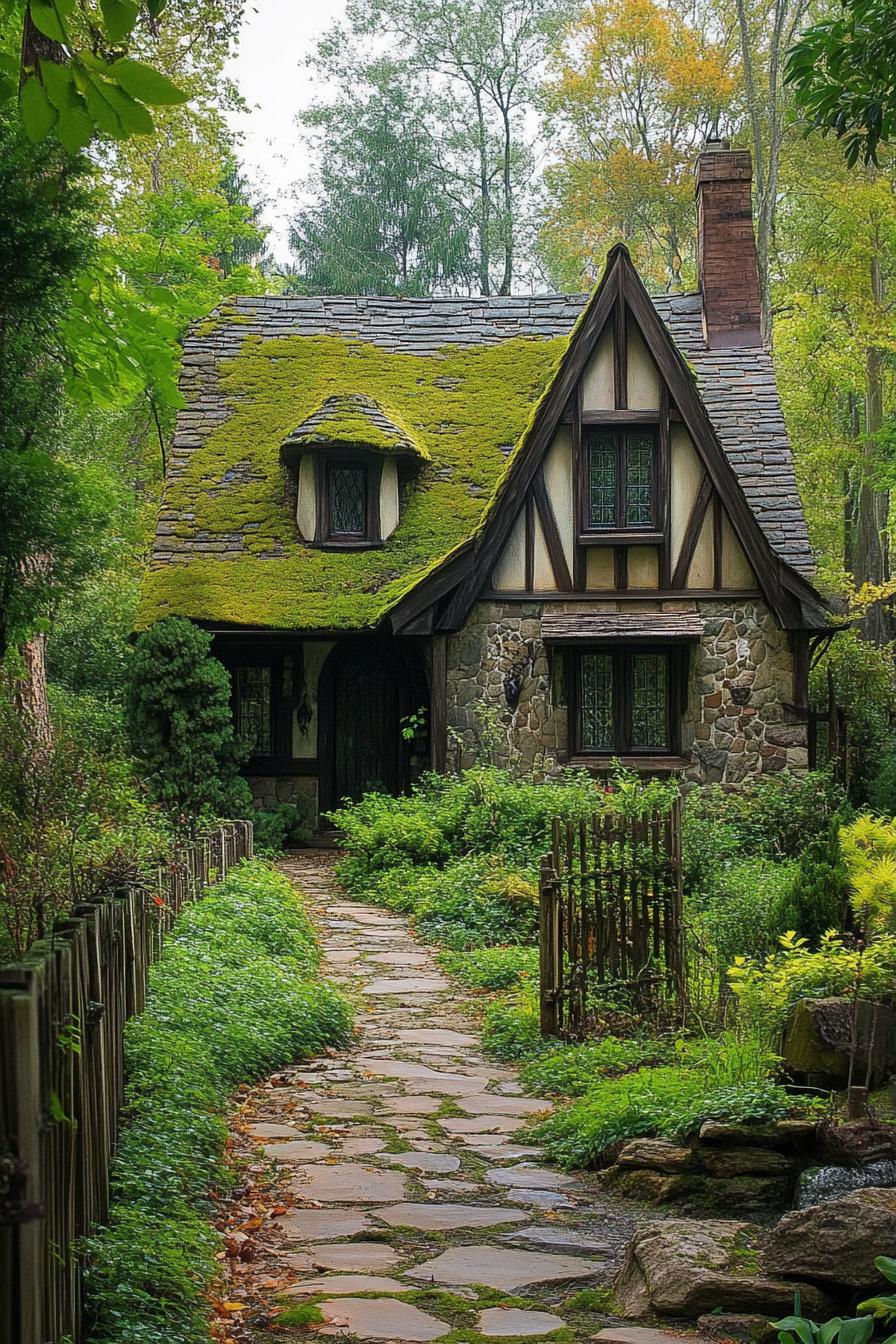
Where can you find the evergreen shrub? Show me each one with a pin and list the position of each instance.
(180, 722)
(235, 995)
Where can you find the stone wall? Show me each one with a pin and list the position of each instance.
(270, 790)
(739, 678)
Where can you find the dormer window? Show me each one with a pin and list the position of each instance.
(348, 463)
(619, 494)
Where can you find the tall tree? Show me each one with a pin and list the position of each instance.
(635, 89)
(382, 221)
(480, 61)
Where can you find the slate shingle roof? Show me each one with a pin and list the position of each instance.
(737, 386)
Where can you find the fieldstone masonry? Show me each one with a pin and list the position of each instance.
(740, 677)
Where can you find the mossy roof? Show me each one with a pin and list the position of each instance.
(356, 421)
(457, 378)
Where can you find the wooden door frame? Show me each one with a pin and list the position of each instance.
(410, 664)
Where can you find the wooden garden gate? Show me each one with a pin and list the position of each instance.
(610, 914)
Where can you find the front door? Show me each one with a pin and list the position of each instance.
(370, 686)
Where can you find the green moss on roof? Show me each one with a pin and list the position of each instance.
(356, 420)
(465, 408)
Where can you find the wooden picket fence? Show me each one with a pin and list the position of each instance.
(610, 915)
(63, 1008)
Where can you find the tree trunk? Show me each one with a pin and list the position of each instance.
(484, 200)
(507, 279)
(30, 694)
(872, 513)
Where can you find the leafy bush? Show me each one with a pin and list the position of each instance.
(180, 722)
(869, 852)
(476, 902)
(767, 989)
(234, 996)
(882, 786)
(73, 825)
(492, 967)
(274, 829)
(510, 1028)
(571, 1070)
(717, 1080)
(819, 897)
(772, 816)
(745, 910)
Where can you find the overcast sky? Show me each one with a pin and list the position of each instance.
(276, 36)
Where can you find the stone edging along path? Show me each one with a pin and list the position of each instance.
(401, 1205)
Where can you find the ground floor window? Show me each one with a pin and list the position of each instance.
(254, 706)
(622, 701)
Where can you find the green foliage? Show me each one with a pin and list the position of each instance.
(180, 722)
(869, 853)
(510, 1029)
(772, 816)
(818, 898)
(492, 967)
(767, 989)
(881, 1309)
(74, 823)
(841, 70)
(89, 650)
(883, 1306)
(381, 222)
(286, 824)
(745, 909)
(864, 677)
(882, 785)
(234, 996)
(715, 1080)
(572, 1070)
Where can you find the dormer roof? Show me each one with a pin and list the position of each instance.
(351, 420)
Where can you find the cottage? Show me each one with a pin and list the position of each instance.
(579, 511)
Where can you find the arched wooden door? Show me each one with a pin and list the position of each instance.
(367, 687)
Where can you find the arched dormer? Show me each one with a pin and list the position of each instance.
(348, 461)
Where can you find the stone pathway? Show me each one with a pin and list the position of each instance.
(398, 1173)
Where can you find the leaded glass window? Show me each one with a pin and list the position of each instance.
(253, 694)
(620, 489)
(650, 728)
(596, 702)
(638, 480)
(348, 501)
(603, 480)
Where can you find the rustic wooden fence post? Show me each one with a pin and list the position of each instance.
(62, 1016)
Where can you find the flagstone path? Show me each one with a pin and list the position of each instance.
(397, 1169)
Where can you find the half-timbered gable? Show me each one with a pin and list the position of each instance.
(578, 512)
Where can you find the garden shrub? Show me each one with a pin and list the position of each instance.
(772, 816)
(819, 896)
(744, 910)
(475, 902)
(510, 1028)
(180, 722)
(713, 1080)
(275, 828)
(234, 996)
(571, 1070)
(869, 852)
(768, 988)
(492, 967)
(882, 786)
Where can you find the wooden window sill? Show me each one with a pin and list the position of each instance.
(660, 764)
(625, 537)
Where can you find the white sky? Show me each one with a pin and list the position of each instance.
(267, 68)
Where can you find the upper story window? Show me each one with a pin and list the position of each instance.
(621, 492)
(348, 495)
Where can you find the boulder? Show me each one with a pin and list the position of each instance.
(856, 1143)
(739, 1326)
(658, 1155)
(693, 1191)
(782, 1134)
(686, 1267)
(819, 1036)
(746, 1161)
(836, 1242)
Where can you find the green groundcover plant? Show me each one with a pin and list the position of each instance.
(235, 995)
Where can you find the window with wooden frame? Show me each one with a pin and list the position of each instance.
(348, 501)
(253, 709)
(623, 701)
(619, 481)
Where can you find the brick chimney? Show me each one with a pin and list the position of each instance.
(726, 247)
